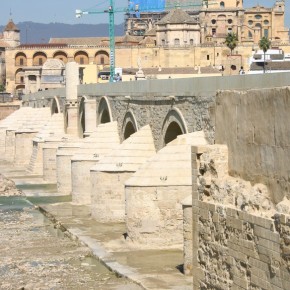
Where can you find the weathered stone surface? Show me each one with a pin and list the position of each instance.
(7, 187)
(243, 241)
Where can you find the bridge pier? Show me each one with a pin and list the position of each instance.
(72, 104)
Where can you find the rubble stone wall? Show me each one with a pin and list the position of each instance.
(240, 237)
(239, 250)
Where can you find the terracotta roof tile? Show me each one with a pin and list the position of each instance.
(99, 41)
(176, 16)
(11, 26)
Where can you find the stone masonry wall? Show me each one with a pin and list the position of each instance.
(108, 195)
(49, 162)
(196, 111)
(81, 181)
(154, 216)
(254, 125)
(23, 147)
(240, 238)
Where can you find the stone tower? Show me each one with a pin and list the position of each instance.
(11, 34)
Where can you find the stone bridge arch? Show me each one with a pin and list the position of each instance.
(55, 106)
(174, 124)
(130, 125)
(104, 114)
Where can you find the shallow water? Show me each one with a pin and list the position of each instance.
(36, 255)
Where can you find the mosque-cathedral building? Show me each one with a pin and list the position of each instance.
(176, 43)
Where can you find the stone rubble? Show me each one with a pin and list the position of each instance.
(8, 187)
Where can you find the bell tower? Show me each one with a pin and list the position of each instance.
(11, 34)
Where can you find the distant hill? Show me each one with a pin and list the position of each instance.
(32, 32)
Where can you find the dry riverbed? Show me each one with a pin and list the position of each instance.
(35, 255)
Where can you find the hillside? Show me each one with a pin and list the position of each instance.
(32, 32)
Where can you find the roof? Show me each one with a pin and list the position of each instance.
(41, 45)
(271, 65)
(77, 40)
(151, 32)
(258, 9)
(176, 16)
(11, 26)
(147, 40)
(96, 40)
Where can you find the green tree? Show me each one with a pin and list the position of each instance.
(264, 44)
(2, 88)
(232, 41)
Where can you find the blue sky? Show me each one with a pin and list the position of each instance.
(44, 11)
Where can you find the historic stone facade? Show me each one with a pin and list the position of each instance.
(215, 19)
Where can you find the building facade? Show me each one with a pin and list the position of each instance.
(216, 19)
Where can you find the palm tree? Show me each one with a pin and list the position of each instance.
(264, 44)
(231, 41)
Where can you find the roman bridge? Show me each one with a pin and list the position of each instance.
(171, 107)
(198, 164)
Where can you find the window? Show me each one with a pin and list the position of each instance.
(40, 61)
(191, 42)
(250, 35)
(176, 41)
(266, 22)
(213, 31)
(250, 22)
(233, 67)
(213, 21)
(266, 33)
(82, 60)
(230, 30)
(230, 21)
(22, 80)
(102, 60)
(258, 16)
(21, 61)
(207, 57)
(222, 4)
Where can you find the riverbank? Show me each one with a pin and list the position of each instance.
(150, 269)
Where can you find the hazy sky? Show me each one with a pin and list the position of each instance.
(46, 11)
